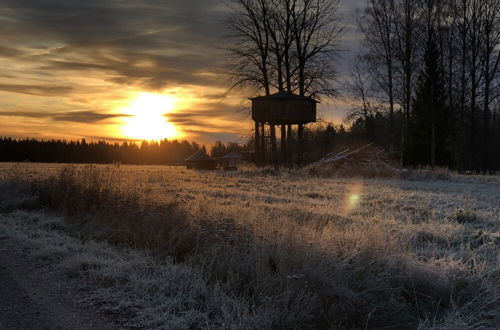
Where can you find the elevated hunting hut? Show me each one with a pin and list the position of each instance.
(201, 161)
(282, 109)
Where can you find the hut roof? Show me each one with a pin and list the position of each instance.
(282, 95)
(199, 155)
(233, 155)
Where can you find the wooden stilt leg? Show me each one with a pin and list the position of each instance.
(263, 144)
(283, 144)
(274, 152)
(257, 145)
(300, 140)
(289, 146)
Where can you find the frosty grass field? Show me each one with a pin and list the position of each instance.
(264, 249)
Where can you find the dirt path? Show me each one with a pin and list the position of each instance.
(34, 297)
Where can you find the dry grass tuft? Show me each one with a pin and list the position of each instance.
(88, 196)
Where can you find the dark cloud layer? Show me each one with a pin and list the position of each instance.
(43, 90)
(85, 116)
(175, 39)
(81, 116)
(209, 113)
(9, 52)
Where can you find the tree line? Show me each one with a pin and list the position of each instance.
(81, 151)
(426, 82)
(319, 139)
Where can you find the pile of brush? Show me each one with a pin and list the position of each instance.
(366, 161)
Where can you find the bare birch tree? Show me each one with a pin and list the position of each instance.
(288, 44)
(250, 48)
(377, 26)
(406, 46)
(363, 95)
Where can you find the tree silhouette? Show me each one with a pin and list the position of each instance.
(61, 151)
(429, 128)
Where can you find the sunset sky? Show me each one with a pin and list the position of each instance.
(115, 70)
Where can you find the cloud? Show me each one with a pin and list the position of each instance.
(80, 116)
(43, 90)
(29, 114)
(85, 116)
(175, 39)
(211, 116)
(10, 52)
(215, 96)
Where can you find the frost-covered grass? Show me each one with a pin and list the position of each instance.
(266, 249)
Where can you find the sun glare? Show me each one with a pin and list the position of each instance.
(353, 199)
(353, 196)
(148, 119)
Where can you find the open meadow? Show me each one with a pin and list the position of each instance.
(170, 248)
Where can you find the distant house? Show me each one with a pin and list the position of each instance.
(200, 160)
(231, 160)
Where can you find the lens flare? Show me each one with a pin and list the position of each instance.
(353, 196)
(354, 199)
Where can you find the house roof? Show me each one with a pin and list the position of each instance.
(199, 155)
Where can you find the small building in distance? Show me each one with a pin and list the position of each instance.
(201, 161)
(231, 161)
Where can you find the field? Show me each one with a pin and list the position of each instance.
(264, 249)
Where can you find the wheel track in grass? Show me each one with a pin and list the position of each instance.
(32, 296)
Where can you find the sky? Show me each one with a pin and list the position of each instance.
(125, 70)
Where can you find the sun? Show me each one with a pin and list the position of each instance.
(147, 118)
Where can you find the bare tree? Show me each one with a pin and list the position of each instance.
(316, 31)
(278, 43)
(250, 48)
(377, 26)
(447, 31)
(406, 29)
(490, 59)
(474, 19)
(362, 94)
(288, 43)
(467, 35)
(250, 53)
(281, 33)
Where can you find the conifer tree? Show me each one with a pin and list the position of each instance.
(429, 130)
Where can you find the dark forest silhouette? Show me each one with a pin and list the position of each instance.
(427, 81)
(62, 151)
(319, 140)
